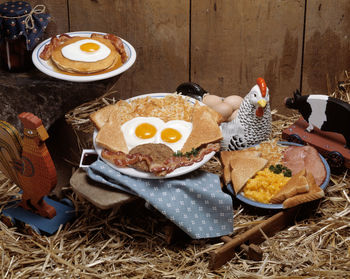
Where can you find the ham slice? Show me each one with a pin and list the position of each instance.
(297, 158)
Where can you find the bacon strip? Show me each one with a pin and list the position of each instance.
(96, 35)
(55, 42)
(121, 159)
(118, 44)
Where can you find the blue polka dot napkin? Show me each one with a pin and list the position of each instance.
(20, 19)
(194, 202)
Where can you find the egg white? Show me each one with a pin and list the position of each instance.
(129, 127)
(183, 127)
(73, 51)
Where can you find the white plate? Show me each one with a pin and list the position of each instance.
(248, 201)
(46, 68)
(146, 175)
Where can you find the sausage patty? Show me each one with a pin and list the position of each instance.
(158, 153)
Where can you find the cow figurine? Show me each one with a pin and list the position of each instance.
(324, 112)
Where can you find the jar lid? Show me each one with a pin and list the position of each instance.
(19, 18)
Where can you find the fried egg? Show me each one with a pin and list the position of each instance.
(86, 50)
(174, 134)
(141, 130)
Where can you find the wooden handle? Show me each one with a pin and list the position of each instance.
(254, 235)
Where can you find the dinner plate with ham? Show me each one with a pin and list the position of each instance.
(275, 175)
(156, 136)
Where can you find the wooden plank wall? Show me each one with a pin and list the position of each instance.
(234, 42)
(222, 45)
(327, 46)
(159, 31)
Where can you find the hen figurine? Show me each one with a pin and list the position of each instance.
(35, 170)
(253, 123)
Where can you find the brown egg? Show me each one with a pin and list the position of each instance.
(211, 100)
(232, 116)
(234, 100)
(224, 109)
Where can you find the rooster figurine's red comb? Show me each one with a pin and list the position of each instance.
(29, 120)
(262, 85)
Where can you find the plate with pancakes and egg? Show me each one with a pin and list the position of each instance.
(84, 56)
(275, 175)
(158, 135)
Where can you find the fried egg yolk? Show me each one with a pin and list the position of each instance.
(145, 131)
(170, 135)
(141, 130)
(174, 134)
(89, 47)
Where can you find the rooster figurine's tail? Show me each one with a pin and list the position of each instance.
(10, 150)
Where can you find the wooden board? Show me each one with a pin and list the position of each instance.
(98, 194)
(159, 31)
(235, 42)
(326, 50)
(59, 14)
(254, 235)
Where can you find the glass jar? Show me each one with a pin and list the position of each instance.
(14, 54)
(21, 28)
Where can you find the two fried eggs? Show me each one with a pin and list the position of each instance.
(142, 130)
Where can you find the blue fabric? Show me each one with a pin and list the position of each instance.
(18, 18)
(194, 202)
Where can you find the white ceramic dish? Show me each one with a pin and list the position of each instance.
(46, 68)
(245, 200)
(146, 175)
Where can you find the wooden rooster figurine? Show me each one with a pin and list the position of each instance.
(36, 173)
(253, 123)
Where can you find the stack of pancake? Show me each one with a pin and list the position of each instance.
(85, 55)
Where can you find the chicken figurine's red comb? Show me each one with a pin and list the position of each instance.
(262, 85)
(29, 120)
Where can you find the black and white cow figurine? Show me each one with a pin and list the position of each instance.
(323, 112)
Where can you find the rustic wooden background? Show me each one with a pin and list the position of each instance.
(222, 45)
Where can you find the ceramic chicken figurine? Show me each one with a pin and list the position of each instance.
(36, 173)
(253, 123)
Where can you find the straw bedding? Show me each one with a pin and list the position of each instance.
(131, 242)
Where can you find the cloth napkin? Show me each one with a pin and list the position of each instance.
(194, 202)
